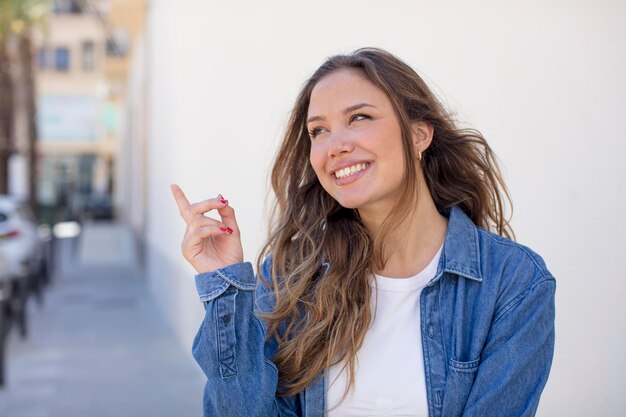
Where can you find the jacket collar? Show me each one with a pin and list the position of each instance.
(460, 247)
(460, 254)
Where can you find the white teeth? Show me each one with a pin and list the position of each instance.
(345, 172)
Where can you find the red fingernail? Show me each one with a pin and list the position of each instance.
(224, 229)
(230, 230)
(223, 201)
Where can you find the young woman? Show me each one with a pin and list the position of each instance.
(389, 284)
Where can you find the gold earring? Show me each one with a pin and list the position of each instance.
(419, 156)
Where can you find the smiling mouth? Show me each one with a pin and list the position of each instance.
(351, 170)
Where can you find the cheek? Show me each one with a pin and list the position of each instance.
(317, 161)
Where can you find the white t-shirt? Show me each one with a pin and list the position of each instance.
(389, 374)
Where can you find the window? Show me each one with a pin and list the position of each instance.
(62, 59)
(113, 49)
(89, 56)
(66, 6)
(117, 43)
(42, 58)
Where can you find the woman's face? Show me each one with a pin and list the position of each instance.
(356, 141)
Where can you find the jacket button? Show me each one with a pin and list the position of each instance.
(454, 279)
(226, 319)
(430, 331)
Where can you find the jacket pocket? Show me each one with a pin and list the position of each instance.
(466, 367)
(458, 386)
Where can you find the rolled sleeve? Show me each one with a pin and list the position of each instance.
(211, 285)
(231, 347)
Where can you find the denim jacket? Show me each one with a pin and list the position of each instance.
(487, 326)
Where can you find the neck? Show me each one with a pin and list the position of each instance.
(415, 242)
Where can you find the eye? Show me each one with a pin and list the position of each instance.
(314, 132)
(358, 117)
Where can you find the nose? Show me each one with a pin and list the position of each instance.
(339, 144)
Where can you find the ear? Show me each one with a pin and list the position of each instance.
(422, 136)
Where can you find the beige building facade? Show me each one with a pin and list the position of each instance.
(81, 65)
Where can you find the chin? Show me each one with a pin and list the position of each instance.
(350, 203)
(350, 199)
(349, 206)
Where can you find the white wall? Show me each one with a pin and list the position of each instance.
(544, 81)
(131, 181)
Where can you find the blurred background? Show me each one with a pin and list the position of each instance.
(104, 103)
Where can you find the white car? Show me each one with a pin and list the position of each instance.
(19, 239)
(22, 251)
(5, 277)
(4, 268)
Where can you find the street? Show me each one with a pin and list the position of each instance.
(99, 346)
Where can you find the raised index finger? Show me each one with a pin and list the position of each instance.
(181, 201)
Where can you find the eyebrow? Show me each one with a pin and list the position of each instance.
(346, 111)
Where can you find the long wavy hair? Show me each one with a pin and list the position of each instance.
(321, 315)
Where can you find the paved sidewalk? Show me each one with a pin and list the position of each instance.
(99, 346)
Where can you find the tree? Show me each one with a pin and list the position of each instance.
(7, 11)
(17, 19)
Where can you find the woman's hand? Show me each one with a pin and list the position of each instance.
(209, 244)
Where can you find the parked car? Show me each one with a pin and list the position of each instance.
(23, 253)
(5, 297)
(18, 234)
(5, 279)
(98, 207)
